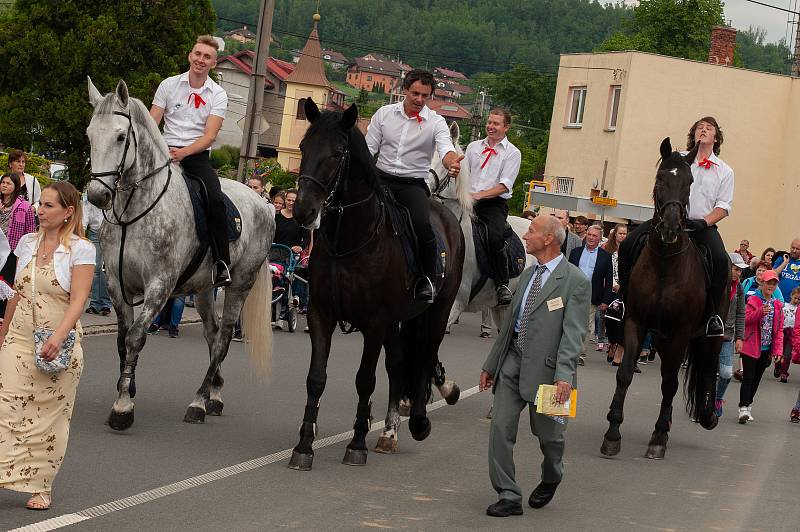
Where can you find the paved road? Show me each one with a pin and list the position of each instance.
(735, 477)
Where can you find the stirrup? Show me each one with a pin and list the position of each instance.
(420, 291)
(616, 310)
(715, 327)
(504, 295)
(224, 279)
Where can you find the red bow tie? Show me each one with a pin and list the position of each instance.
(705, 163)
(198, 101)
(490, 152)
(415, 115)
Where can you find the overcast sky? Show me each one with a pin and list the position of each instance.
(744, 14)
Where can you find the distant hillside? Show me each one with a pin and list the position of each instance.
(467, 35)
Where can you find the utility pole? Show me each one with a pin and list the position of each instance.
(477, 115)
(796, 57)
(255, 98)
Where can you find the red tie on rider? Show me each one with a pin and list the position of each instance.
(198, 101)
(706, 163)
(489, 152)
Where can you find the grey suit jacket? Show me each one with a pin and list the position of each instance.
(555, 338)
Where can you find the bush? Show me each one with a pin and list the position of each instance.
(225, 155)
(273, 175)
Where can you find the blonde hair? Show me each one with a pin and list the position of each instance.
(68, 196)
(209, 41)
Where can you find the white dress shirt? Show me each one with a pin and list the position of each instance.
(406, 144)
(711, 188)
(184, 120)
(502, 167)
(92, 215)
(588, 261)
(548, 269)
(34, 190)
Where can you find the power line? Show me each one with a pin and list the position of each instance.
(773, 7)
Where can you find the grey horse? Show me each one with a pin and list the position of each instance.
(458, 200)
(149, 238)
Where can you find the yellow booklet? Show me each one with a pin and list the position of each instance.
(546, 402)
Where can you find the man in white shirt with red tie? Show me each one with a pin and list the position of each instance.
(494, 166)
(193, 107)
(404, 135)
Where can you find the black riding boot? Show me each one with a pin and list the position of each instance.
(424, 290)
(504, 295)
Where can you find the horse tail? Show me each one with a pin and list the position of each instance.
(699, 379)
(464, 191)
(256, 327)
(417, 364)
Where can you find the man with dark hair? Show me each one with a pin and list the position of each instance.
(494, 166)
(710, 201)
(580, 225)
(193, 107)
(404, 136)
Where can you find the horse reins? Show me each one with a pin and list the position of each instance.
(132, 187)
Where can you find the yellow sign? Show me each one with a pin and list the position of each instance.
(608, 202)
(536, 186)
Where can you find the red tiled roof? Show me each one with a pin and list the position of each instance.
(449, 110)
(450, 73)
(310, 69)
(442, 92)
(281, 69)
(334, 55)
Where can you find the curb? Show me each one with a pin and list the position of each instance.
(111, 328)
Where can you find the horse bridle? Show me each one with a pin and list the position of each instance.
(133, 187)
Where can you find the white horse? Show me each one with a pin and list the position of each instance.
(486, 298)
(149, 240)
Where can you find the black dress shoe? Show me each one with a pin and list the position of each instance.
(542, 494)
(504, 508)
(715, 327)
(222, 275)
(424, 291)
(504, 295)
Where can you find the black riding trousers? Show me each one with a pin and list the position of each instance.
(493, 212)
(199, 165)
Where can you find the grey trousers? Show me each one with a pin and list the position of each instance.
(503, 433)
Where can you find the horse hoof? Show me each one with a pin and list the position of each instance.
(194, 415)
(656, 452)
(120, 420)
(610, 448)
(301, 461)
(450, 392)
(420, 428)
(355, 457)
(404, 409)
(386, 445)
(710, 422)
(214, 407)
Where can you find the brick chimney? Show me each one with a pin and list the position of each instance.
(723, 43)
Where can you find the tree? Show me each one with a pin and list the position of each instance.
(43, 99)
(678, 28)
(752, 52)
(363, 98)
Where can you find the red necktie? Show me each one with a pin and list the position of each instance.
(416, 115)
(705, 163)
(198, 101)
(490, 152)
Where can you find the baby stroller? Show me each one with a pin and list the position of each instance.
(283, 262)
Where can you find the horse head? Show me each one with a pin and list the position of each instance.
(671, 192)
(326, 154)
(457, 189)
(116, 136)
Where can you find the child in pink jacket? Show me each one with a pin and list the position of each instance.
(763, 340)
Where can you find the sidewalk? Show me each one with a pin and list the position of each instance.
(96, 324)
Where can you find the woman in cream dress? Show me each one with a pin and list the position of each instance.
(35, 407)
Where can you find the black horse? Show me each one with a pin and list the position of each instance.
(359, 275)
(667, 294)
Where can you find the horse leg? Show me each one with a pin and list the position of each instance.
(671, 358)
(131, 344)
(612, 440)
(387, 442)
(356, 453)
(321, 330)
(705, 358)
(218, 338)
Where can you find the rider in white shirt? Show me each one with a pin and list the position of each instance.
(710, 200)
(193, 107)
(494, 166)
(404, 135)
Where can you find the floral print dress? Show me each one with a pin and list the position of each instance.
(35, 408)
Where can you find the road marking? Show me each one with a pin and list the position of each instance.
(200, 480)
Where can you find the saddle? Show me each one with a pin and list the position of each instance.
(513, 248)
(702, 250)
(199, 198)
(402, 229)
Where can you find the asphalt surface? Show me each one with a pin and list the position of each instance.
(732, 478)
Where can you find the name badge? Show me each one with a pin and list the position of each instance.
(555, 304)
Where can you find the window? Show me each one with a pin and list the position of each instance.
(613, 106)
(369, 78)
(577, 102)
(301, 109)
(564, 185)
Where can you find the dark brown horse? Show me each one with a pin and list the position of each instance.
(359, 275)
(667, 294)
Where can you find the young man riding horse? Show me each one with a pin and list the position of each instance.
(193, 108)
(710, 200)
(404, 135)
(494, 165)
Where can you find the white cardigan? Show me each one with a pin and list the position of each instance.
(81, 252)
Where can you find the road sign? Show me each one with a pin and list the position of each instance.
(260, 128)
(607, 202)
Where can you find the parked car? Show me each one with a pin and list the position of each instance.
(58, 172)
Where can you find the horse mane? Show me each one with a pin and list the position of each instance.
(148, 152)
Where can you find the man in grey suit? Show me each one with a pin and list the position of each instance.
(539, 343)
